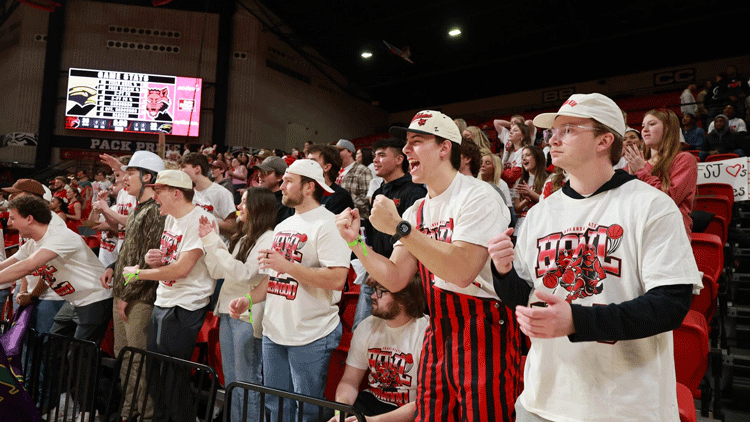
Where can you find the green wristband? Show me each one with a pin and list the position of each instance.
(359, 241)
(249, 308)
(129, 276)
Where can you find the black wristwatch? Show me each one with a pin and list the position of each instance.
(402, 229)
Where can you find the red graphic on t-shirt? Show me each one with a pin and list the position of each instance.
(169, 245)
(108, 243)
(46, 272)
(207, 207)
(123, 209)
(289, 243)
(286, 287)
(579, 259)
(388, 372)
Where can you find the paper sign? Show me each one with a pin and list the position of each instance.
(732, 172)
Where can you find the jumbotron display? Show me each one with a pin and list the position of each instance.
(132, 102)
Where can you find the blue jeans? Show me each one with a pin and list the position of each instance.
(364, 305)
(300, 369)
(241, 361)
(4, 293)
(44, 314)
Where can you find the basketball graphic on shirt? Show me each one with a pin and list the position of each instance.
(550, 280)
(614, 231)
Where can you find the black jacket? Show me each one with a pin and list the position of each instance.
(402, 191)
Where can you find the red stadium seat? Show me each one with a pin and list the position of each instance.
(717, 189)
(686, 404)
(335, 372)
(720, 157)
(691, 351)
(709, 253)
(706, 301)
(717, 205)
(718, 226)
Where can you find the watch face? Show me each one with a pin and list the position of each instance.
(404, 228)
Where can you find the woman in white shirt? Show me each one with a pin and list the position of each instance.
(240, 339)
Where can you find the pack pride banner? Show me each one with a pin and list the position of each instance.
(732, 172)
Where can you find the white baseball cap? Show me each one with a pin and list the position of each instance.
(311, 169)
(588, 106)
(146, 160)
(173, 178)
(430, 122)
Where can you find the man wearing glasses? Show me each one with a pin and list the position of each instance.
(389, 345)
(612, 274)
(469, 367)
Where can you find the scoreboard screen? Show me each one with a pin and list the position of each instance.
(132, 102)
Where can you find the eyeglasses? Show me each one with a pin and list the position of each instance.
(564, 131)
(379, 291)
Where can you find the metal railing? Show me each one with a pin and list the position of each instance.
(175, 389)
(326, 408)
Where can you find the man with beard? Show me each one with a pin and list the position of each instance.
(388, 344)
(308, 267)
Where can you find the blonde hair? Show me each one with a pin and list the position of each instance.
(497, 162)
(479, 138)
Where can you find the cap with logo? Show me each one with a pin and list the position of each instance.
(273, 163)
(430, 122)
(588, 106)
(173, 178)
(26, 185)
(343, 143)
(311, 169)
(219, 164)
(145, 160)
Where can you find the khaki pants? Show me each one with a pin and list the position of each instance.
(133, 333)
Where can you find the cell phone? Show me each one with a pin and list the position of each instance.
(539, 304)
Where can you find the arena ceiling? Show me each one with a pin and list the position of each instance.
(504, 46)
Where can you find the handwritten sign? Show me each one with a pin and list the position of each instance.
(732, 172)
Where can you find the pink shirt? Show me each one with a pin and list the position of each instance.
(683, 179)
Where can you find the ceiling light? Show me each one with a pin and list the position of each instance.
(454, 32)
(366, 54)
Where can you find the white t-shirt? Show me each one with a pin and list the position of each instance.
(48, 294)
(215, 199)
(512, 159)
(735, 125)
(74, 273)
(621, 164)
(296, 313)
(625, 250)
(503, 185)
(110, 243)
(392, 356)
(688, 103)
(471, 211)
(192, 292)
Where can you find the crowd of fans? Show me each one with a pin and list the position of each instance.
(254, 237)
